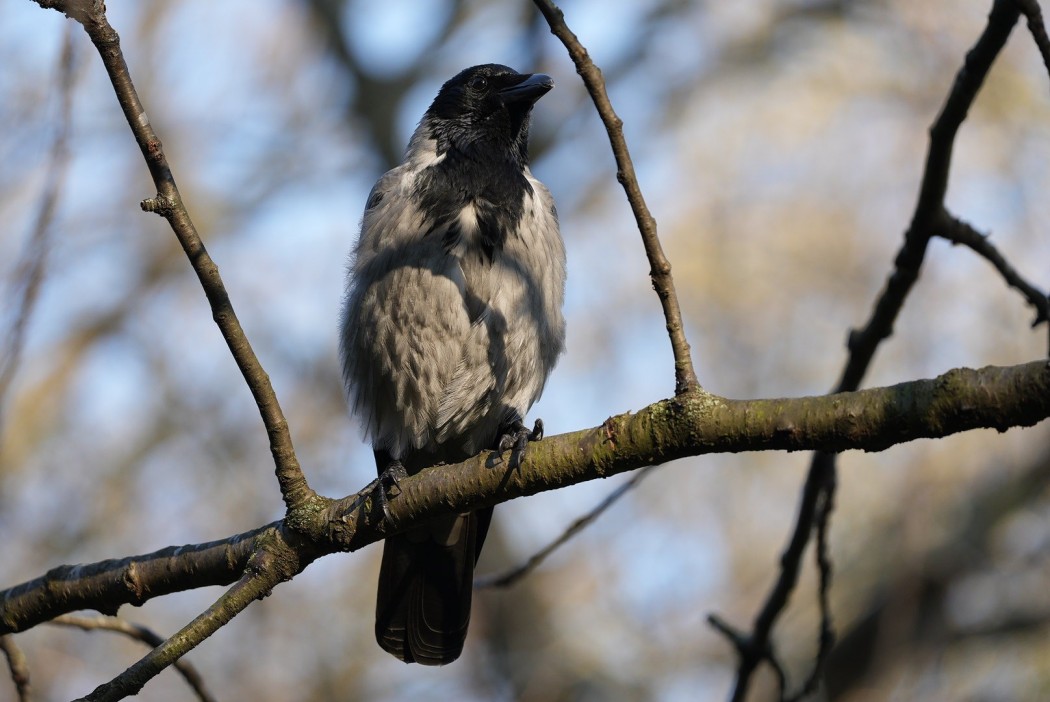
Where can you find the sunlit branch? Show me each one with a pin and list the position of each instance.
(660, 267)
(91, 14)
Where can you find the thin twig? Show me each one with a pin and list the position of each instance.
(512, 576)
(29, 278)
(959, 232)
(16, 663)
(826, 640)
(138, 633)
(1034, 14)
(928, 219)
(91, 14)
(758, 646)
(660, 267)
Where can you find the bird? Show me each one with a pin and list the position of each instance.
(451, 324)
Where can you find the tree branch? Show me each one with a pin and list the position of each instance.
(929, 219)
(138, 633)
(268, 566)
(1034, 15)
(16, 663)
(959, 232)
(869, 420)
(513, 575)
(91, 14)
(106, 585)
(660, 267)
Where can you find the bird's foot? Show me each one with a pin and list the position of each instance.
(516, 438)
(389, 479)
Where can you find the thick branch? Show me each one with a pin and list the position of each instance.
(869, 420)
(659, 266)
(106, 585)
(168, 203)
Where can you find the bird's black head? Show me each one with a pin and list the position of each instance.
(484, 110)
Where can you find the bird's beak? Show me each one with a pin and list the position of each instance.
(531, 88)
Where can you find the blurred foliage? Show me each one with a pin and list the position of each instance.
(779, 143)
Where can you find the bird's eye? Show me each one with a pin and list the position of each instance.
(478, 83)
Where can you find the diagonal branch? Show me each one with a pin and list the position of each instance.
(660, 267)
(513, 575)
(138, 633)
(91, 14)
(1034, 14)
(929, 219)
(16, 663)
(263, 573)
(660, 271)
(959, 232)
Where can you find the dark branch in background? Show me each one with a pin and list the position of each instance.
(959, 232)
(512, 576)
(1032, 12)
(91, 14)
(16, 663)
(882, 638)
(660, 267)
(826, 640)
(930, 218)
(29, 277)
(138, 633)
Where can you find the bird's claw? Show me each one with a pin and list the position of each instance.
(516, 438)
(389, 479)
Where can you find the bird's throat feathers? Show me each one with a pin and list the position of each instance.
(475, 201)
